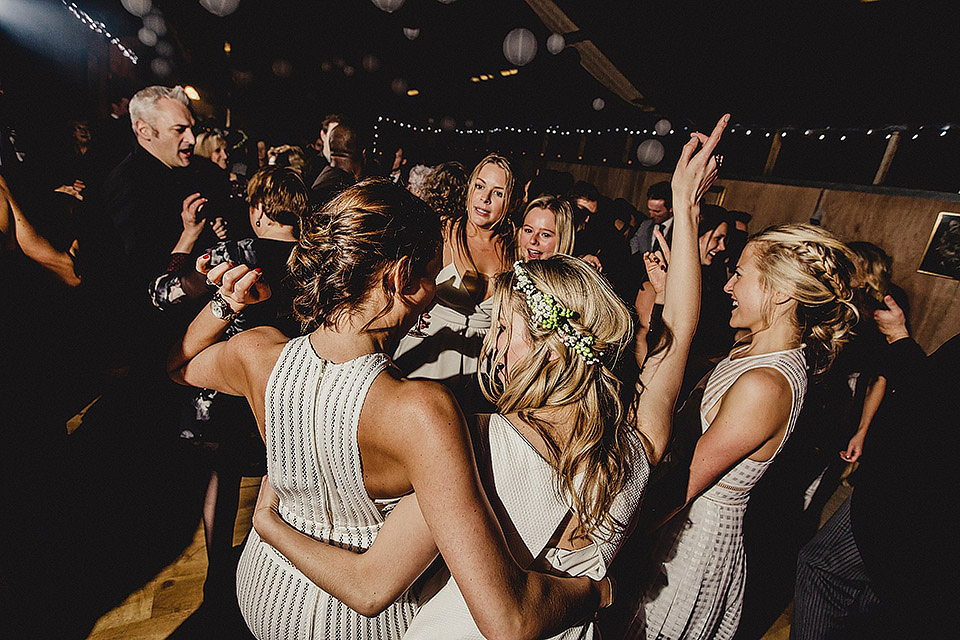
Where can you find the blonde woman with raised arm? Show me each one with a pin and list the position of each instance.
(791, 291)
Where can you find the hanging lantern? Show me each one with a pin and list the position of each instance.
(220, 8)
(520, 46)
(556, 43)
(650, 153)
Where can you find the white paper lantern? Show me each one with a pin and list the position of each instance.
(662, 127)
(220, 7)
(161, 67)
(164, 48)
(387, 5)
(147, 37)
(556, 43)
(411, 33)
(599, 104)
(448, 123)
(520, 46)
(399, 86)
(138, 8)
(155, 23)
(650, 153)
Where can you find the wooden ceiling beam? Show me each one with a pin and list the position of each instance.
(591, 58)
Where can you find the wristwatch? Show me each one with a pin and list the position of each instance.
(221, 308)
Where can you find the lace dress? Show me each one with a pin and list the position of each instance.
(699, 594)
(312, 411)
(523, 492)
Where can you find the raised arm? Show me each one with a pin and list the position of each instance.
(663, 373)
(366, 582)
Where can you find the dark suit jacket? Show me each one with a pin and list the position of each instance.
(642, 239)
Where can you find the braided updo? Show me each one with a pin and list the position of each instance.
(815, 269)
(346, 247)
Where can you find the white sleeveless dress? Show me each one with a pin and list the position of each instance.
(449, 350)
(311, 412)
(523, 493)
(699, 594)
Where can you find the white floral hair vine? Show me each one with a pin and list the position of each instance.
(548, 313)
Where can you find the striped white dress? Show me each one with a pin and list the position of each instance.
(313, 460)
(700, 591)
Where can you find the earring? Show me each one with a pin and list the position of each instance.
(257, 222)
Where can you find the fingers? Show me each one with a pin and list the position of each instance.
(203, 263)
(242, 285)
(215, 275)
(711, 143)
(892, 304)
(193, 203)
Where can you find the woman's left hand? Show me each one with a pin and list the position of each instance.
(593, 261)
(855, 447)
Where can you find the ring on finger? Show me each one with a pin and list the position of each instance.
(211, 283)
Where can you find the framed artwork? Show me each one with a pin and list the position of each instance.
(714, 195)
(942, 255)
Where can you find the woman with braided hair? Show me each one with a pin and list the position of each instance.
(792, 292)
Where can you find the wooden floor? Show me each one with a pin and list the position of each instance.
(156, 610)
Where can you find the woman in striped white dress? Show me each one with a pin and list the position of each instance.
(791, 291)
(366, 268)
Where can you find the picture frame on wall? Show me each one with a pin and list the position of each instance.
(941, 257)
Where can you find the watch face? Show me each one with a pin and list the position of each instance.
(220, 308)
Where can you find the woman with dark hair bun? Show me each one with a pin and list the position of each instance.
(365, 268)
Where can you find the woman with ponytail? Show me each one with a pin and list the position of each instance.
(792, 292)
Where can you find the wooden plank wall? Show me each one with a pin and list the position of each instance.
(901, 225)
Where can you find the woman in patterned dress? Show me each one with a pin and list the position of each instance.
(791, 290)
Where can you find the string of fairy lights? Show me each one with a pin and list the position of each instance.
(747, 130)
(98, 27)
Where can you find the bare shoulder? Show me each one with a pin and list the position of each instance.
(418, 409)
(763, 389)
(762, 380)
(258, 348)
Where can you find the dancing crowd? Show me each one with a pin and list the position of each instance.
(486, 404)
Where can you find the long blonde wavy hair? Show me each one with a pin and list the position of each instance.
(595, 442)
(817, 270)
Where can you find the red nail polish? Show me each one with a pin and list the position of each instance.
(205, 256)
